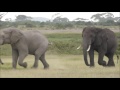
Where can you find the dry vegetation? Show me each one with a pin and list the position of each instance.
(69, 31)
(61, 66)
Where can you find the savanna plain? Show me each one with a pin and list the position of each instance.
(63, 57)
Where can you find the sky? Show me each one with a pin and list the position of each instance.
(70, 15)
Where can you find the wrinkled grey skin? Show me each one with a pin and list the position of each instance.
(103, 41)
(24, 43)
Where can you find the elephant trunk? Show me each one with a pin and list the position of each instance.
(86, 48)
(85, 55)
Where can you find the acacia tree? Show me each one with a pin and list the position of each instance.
(22, 18)
(103, 17)
(60, 20)
(81, 19)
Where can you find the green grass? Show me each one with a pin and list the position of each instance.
(61, 66)
(64, 43)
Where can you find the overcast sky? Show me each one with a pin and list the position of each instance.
(70, 15)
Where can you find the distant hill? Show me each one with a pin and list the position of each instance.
(41, 19)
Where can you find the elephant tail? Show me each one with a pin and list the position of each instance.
(117, 57)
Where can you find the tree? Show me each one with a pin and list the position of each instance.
(8, 19)
(110, 22)
(60, 20)
(80, 19)
(22, 18)
(117, 19)
(103, 17)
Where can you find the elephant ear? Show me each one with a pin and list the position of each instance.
(104, 35)
(101, 37)
(15, 36)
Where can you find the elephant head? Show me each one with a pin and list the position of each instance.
(92, 37)
(10, 36)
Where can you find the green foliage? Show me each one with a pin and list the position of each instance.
(60, 20)
(63, 25)
(65, 43)
(118, 38)
(55, 25)
(29, 24)
(5, 50)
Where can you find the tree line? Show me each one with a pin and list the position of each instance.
(23, 21)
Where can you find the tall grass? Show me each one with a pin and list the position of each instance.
(65, 43)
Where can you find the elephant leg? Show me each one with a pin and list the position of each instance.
(100, 59)
(38, 54)
(14, 58)
(91, 55)
(22, 55)
(42, 58)
(110, 61)
(35, 65)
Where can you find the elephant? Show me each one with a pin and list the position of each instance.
(23, 43)
(102, 40)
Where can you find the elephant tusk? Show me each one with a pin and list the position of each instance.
(79, 47)
(88, 48)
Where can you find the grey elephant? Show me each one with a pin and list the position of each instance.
(24, 43)
(103, 41)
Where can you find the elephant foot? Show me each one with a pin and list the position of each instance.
(103, 63)
(25, 65)
(92, 66)
(14, 68)
(46, 67)
(34, 67)
(111, 64)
